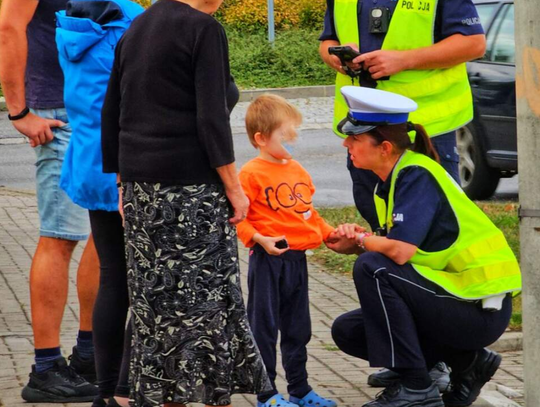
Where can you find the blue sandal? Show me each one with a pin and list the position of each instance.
(276, 401)
(312, 399)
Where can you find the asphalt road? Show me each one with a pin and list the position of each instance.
(319, 151)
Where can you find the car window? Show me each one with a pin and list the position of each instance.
(485, 12)
(504, 47)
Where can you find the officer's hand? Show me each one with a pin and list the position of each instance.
(383, 63)
(334, 62)
(268, 243)
(342, 244)
(37, 129)
(240, 204)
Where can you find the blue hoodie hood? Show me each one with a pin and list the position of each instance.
(76, 35)
(86, 36)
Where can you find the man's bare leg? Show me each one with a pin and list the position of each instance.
(87, 284)
(49, 289)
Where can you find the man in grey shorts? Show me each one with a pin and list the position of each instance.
(32, 83)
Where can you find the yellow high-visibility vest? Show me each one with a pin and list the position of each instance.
(479, 264)
(443, 95)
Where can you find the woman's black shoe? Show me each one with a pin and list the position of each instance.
(85, 368)
(399, 396)
(61, 384)
(466, 385)
(113, 403)
(99, 402)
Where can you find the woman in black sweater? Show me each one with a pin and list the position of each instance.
(166, 133)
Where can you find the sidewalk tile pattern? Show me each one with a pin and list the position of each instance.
(332, 373)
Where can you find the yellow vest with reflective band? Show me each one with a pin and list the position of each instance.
(443, 95)
(479, 264)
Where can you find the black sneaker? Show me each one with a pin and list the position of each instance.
(61, 384)
(385, 377)
(85, 368)
(466, 385)
(400, 396)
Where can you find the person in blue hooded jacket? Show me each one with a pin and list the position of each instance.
(86, 36)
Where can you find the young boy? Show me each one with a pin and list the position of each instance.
(280, 226)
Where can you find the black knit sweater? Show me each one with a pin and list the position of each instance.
(166, 113)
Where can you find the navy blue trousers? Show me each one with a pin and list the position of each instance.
(406, 321)
(364, 181)
(278, 300)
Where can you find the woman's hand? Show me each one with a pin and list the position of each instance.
(342, 244)
(268, 243)
(239, 202)
(234, 192)
(120, 199)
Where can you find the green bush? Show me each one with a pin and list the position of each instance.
(293, 60)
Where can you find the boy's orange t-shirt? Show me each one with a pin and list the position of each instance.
(280, 198)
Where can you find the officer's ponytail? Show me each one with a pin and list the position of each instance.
(422, 143)
(397, 134)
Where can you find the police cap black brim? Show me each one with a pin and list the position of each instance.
(350, 129)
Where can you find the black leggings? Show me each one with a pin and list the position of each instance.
(112, 348)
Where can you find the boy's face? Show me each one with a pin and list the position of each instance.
(284, 135)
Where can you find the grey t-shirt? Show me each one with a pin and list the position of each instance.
(44, 77)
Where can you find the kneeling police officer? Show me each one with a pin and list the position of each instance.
(436, 283)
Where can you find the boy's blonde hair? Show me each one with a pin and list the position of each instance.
(267, 113)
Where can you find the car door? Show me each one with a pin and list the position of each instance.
(493, 84)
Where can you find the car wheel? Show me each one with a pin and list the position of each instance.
(478, 180)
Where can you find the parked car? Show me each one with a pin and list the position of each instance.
(488, 145)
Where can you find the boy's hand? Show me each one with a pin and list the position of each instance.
(350, 230)
(268, 243)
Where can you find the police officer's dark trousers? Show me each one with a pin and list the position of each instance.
(408, 322)
(278, 300)
(364, 181)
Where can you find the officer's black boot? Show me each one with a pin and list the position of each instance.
(466, 385)
(399, 396)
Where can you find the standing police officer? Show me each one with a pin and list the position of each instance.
(420, 47)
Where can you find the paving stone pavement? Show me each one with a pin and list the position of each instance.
(332, 373)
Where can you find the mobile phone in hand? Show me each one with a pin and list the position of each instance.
(282, 244)
(344, 53)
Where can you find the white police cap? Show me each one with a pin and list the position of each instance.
(369, 108)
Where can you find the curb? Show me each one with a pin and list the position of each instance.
(301, 92)
(247, 95)
(508, 342)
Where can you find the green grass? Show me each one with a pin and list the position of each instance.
(293, 60)
(503, 215)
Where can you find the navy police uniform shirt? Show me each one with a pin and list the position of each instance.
(452, 17)
(422, 215)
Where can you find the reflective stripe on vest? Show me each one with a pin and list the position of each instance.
(479, 264)
(443, 95)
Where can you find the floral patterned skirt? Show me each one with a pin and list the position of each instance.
(191, 341)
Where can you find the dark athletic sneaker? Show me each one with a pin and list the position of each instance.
(86, 368)
(61, 384)
(466, 385)
(399, 396)
(385, 377)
